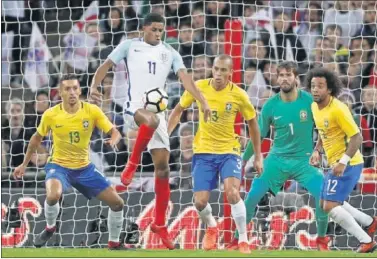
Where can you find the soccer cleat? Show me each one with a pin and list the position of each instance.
(43, 237)
(117, 246)
(367, 248)
(128, 173)
(210, 238)
(233, 245)
(323, 243)
(371, 230)
(244, 248)
(162, 232)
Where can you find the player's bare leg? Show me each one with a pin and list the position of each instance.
(54, 190)
(160, 157)
(205, 213)
(231, 188)
(115, 216)
(148, 123)
(341, 216)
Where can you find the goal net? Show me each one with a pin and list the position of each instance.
(41, 40)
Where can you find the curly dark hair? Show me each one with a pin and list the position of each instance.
(334, 84)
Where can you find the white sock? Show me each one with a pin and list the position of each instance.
(346, 221)
(207, 217)
(114, 224)
(239, 216)
(364, 219)
(51, 213)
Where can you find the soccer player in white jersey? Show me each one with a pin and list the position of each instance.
(149, 61)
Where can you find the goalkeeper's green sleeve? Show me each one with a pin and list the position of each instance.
(249, 151)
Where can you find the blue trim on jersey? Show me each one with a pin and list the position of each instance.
(129, 84)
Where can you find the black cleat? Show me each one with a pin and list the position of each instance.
(43, 237)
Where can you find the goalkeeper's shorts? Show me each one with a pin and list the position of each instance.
(207, 167)
(88, 180)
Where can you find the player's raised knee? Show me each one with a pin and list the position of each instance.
(148, 118)
(153, 121)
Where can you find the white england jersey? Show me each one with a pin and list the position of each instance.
(148, 67)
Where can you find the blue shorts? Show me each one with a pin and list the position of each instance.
(88, 180)
(338, 189)
(207, 166)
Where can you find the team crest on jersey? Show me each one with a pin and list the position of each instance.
(164, 57)
(85, 124)
(303, 115)
(228, 107)
(326, 123)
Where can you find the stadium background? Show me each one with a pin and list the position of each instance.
(42, 39)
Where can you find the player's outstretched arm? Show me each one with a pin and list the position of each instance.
(100, 74)
(34, 143)
(255, 137)
(190, 86)
(175, 117)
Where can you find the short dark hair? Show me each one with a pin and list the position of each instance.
(334, 84)
(185, 24)
(41, 92)
(70, 76)
(289, 66)
(153, 17)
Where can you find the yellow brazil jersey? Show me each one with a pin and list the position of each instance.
(71, 133)
(336, 126)
(217, 136)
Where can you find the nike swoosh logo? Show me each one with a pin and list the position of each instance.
(59, 126)
(137, 50)
(276, 118)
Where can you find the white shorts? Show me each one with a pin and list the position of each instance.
(160, 138)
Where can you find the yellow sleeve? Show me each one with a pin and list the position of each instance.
(45, 124)
(186, 99)
(247, 109)
(346, 121)
(101, 120)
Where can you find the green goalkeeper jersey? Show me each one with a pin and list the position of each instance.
(292, 125)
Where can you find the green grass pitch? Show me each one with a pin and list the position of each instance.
(93, 253)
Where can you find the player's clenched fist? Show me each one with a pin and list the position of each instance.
(315, 159)
(19, 172)
(258, 164)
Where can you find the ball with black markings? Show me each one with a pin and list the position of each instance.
(155, 100)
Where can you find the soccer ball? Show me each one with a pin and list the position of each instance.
(155, 100)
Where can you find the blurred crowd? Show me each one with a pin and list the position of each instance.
(339, 35)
